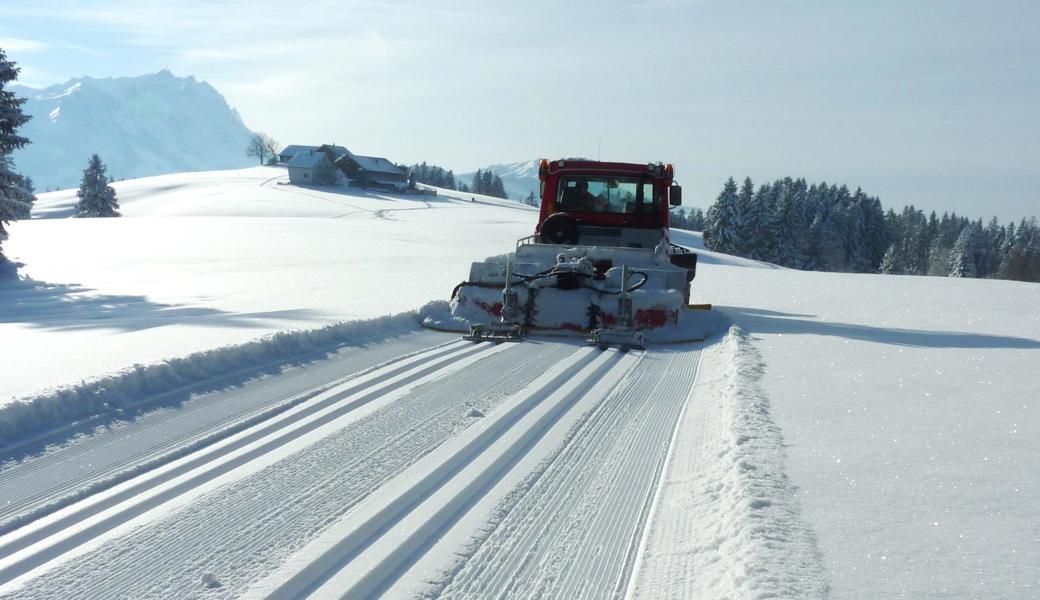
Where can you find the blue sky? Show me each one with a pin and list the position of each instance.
(926, 103)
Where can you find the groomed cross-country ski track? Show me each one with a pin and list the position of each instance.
(422, 467)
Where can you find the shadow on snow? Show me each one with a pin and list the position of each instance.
(72, 307)
(767, 321)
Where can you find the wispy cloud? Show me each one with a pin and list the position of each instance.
(22, 45)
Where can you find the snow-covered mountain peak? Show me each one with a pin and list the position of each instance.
(147, 125)
(66, 92)
(519, 178)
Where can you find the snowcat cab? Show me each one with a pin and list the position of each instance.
(600, 262)
(591, 203)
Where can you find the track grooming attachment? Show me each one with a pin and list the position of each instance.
(507, 328)
(623, 335)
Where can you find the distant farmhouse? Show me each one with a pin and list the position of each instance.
(310, 165)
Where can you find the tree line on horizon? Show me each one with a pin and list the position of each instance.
(483, 182)
(692, 220)
(826, 227)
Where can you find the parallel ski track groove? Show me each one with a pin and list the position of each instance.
(572, 529)
(362, 456)
(25, 537)
(532, 436)
(386, 536)
(46, 499)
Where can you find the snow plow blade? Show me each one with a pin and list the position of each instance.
(496, 332)
(576, 291)
(624, 339)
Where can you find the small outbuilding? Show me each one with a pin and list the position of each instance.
(311, 167)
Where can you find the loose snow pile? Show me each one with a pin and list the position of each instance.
(728, 523)
(908, 408)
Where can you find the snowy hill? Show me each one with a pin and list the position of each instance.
(519, 179)
(852, 436)
(147, 125)
(168, 297)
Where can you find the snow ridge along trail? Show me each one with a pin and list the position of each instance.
(240, 523)
(728, 522)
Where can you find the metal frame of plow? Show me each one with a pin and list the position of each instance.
(624, 335)
(508, 327)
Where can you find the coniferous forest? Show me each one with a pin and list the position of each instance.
(823, 227)
(484, 182)
(432, 175)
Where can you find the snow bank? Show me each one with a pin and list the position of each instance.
(111, 396)
(728, 523)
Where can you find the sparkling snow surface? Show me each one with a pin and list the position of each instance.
(909, 409)
(906, 406)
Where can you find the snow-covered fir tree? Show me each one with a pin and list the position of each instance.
(695, 219)
(758, 223)
(16, 198)
(96, 197)
(964, 257)
(874, 230)
(724, 227)
(489, 184)
(788, 228)
(749, 217)
(692, 220)
(827, 232)
(1010, 237)
(893, 262)
(856, 221)
(431, 175)
(1023, 261)
(916, 240)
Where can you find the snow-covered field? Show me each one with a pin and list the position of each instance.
(852, 436)
(207, 259)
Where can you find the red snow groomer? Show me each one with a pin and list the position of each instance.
(600, 262)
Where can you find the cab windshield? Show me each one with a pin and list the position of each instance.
(604, 194)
